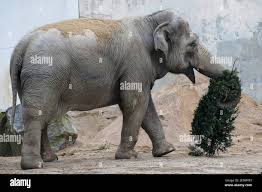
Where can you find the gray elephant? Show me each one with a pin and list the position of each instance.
(83, 64)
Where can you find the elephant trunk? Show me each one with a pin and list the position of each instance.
(206, 66)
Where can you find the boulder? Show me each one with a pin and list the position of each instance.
(61, 133)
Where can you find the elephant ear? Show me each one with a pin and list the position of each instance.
(160, 38)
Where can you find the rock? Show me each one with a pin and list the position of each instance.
(61, 133)
(8, 148)
(18, 125)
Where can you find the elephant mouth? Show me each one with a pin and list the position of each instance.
(190, 73)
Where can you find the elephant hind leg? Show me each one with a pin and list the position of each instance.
(37, 112)
(46, 152)
(33, 124)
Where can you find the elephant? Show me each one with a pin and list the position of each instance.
(81, 64)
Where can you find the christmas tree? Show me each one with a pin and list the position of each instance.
(215, 115)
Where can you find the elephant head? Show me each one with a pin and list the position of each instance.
(181, 47)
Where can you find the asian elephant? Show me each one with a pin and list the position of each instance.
(80, 64)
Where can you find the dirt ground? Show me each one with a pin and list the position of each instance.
(99, 134)
(101, 161)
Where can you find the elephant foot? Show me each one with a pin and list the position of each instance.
(31, 162)
(162, 149)
(125, 154)
(49, 156)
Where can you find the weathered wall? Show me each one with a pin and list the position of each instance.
(229, 28)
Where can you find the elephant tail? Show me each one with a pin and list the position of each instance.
(15, 70)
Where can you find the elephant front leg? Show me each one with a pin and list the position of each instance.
(133, 105)
(46, 152)
(152, 126)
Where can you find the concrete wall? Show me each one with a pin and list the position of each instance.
(228, 28)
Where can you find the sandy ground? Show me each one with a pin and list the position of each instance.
(83, 161)
(99, 134)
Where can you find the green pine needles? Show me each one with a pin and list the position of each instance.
(215, 115)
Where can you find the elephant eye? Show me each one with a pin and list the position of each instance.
(193, 44)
